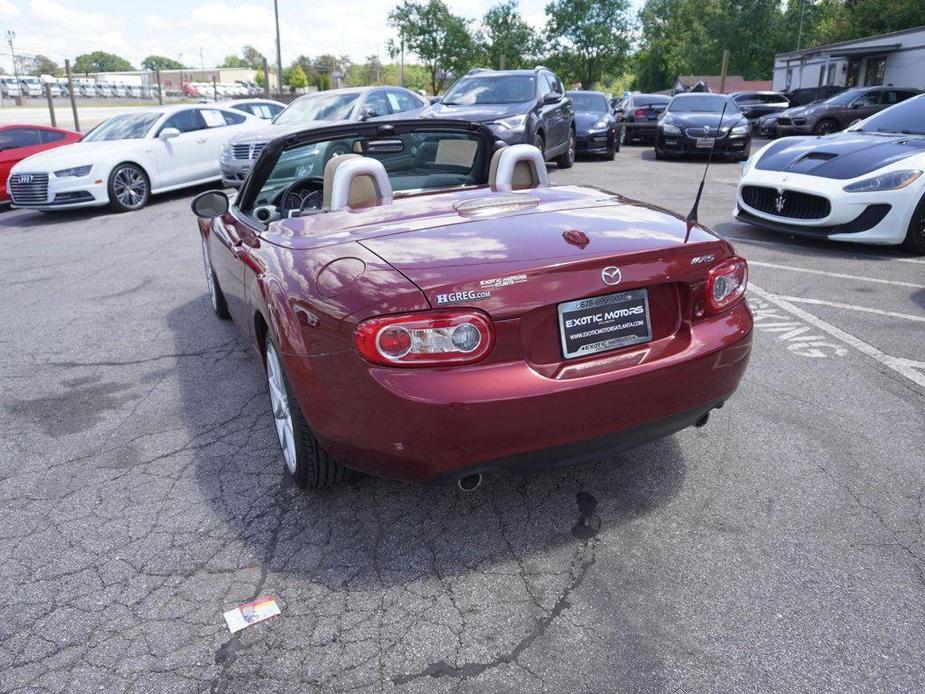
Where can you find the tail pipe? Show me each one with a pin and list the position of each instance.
(470, 483)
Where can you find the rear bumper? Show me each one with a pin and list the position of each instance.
(442, 424)
(640, 131)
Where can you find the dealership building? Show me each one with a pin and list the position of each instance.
(895, 59)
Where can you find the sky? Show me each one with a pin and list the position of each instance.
(203, 33)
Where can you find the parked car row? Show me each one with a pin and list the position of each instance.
(208, 90)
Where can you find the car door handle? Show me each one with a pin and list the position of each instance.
(201, 140)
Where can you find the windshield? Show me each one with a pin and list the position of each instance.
(708, 103)
(322, 106)
(421, 160)
(128, 126)
(591, 103)
(844, 98)
(907, 118)
(498, 89)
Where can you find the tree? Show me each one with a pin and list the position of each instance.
(590, 37)
(297, 78)
(250, 57)
(101, 61)
(39, 65)
(439, 38)
(506, 36)
(160, 62)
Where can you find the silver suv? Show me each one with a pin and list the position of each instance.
(323, 108)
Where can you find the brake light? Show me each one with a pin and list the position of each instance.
(426, 339)
(726, 284)
(639, 113)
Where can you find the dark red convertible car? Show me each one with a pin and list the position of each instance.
(428, 307)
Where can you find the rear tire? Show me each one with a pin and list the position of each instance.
(309, 464)
(825, 127)
(566, 160)
(915, 234)
(540, 144)
(129, 188)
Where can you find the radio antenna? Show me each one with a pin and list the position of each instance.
(692, 215)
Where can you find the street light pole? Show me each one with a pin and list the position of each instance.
(279, 54)
(10, 35)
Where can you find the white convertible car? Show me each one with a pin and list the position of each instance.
(129, 157)
(864, 184)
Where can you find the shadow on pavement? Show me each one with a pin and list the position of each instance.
(372, 532)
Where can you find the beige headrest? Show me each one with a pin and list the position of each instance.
(329, 170)
(524, 168)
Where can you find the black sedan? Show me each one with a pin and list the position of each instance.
(639, 117)
(691, 125)
(595, 125)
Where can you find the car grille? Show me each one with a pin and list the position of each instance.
(705, 132)
(250, 150)
(29, 189)
(787, 203)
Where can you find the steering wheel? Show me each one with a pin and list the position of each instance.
(305, 193)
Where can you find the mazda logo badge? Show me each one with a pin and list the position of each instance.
(611, 275)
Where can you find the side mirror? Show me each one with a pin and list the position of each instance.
(367, 113)
(435, 99)
(212, 203)
(168, 133)
(551, 98)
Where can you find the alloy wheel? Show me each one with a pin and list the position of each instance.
(130, 187)
(279, 401)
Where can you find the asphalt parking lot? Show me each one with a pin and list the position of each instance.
(780, 548)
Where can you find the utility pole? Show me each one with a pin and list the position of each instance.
(202, 59)
(800, 33)
(401, 73)
(279, 54)
(722, 73)
(70, 91)
(10, 35)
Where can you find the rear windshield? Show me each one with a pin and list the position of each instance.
(320, 107)
(417, 161)
(503, 89)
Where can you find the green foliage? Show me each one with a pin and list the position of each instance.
(505, 34)
(40, 65)
(589, 38)
(440, 39)
(258, 78)
(160, 62)
(101, 61)
(250, 57)
(297, 78)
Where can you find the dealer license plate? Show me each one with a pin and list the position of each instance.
(601, 323)
(705, 142)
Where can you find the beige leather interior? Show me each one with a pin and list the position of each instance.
(329, 170)
(524, 174)
(362, 190)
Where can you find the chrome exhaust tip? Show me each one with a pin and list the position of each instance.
(470, 483)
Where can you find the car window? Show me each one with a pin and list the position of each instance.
(125, 126)
(322, 106)
(554, 83)
(376, 103)
(51, 136)
(214, 118)
(186, 121)
(545, 84)
(233, 118)
(402, 101)
(591, 103)
(703, 103)
(907, 117)
(868, 99)
(19, 137)
(265, 111)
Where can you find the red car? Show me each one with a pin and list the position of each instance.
(429, 308)
(20, 141)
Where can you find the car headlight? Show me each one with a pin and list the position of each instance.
(670, 129)
(76, 171)
(511, 123)
(600, 125)
(740, 131)
(888, 181)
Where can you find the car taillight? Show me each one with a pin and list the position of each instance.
(726, 284)
(639, 113)
(428, 338)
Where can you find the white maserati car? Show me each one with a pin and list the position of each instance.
(864, 184)
(129, 157)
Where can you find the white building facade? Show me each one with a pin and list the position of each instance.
(896, 59)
